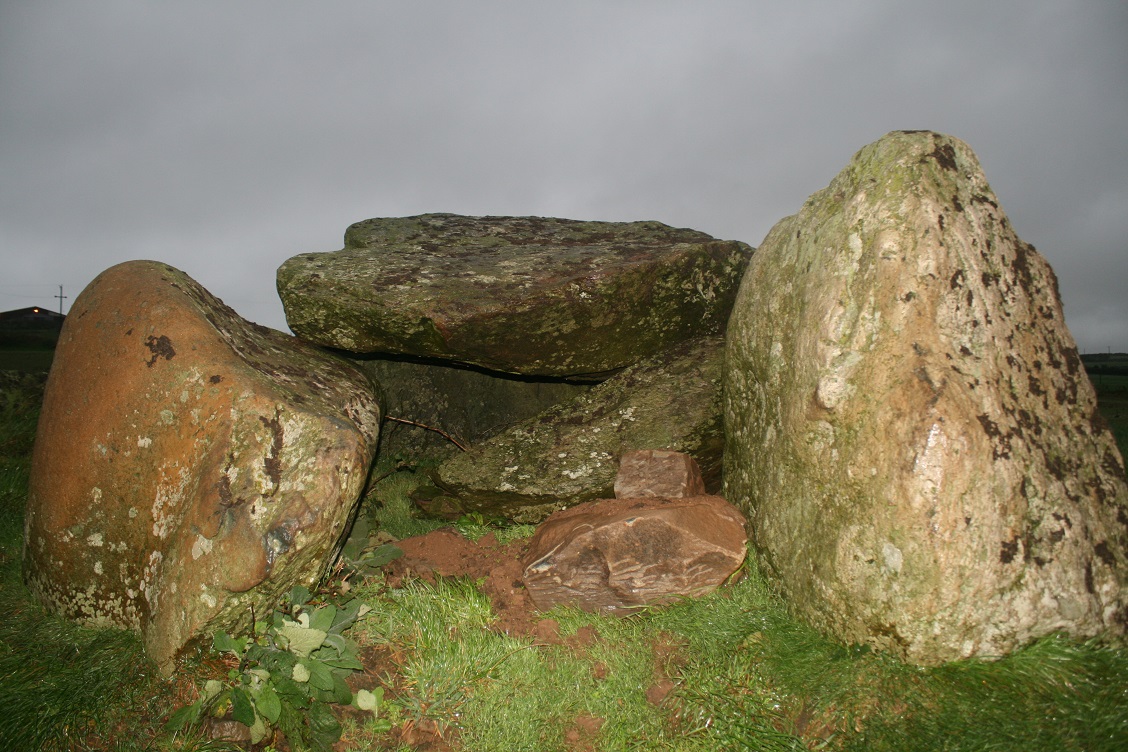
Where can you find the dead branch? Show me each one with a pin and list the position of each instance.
(439, 431)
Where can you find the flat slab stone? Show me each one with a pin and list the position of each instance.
(908, 424)
(617, 555)
(525, 295)
(571, 452)
(190, 466)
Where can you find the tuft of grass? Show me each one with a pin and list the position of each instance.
(389, 506)
(446, 650)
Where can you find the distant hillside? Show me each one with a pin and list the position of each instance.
(1110, 364)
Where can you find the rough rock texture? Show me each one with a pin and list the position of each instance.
(469, 404)
(658, 472)
(908, 424)
(189, 464)
(526, 295)
(570, 453)
(620, 554)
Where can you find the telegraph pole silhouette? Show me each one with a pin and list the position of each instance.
(61, 297)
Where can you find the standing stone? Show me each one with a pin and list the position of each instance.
(189, 465)
(524, 295)
(617, 555)
(908, 424)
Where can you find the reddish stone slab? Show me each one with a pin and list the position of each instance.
(620, 554)
(658, 472)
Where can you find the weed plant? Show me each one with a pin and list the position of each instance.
(388, 504)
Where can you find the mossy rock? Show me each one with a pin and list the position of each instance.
(523, 295)
(908, 425)
(570, 453)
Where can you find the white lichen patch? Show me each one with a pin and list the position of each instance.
(148, 583)
(928, 465)
(94, 539)
(582, 471)
(144, 442)
(201, 546)
(170, 493)
(892, 557)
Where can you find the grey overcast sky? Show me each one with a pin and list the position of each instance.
(224, 137)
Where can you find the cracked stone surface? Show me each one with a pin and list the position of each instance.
(189, 465)
(523, 295)
(616, 555)
(908, 425)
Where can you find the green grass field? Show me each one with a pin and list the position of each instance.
(736, 671)
(1112, 396)
(26, 360)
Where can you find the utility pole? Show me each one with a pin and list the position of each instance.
(61, 297)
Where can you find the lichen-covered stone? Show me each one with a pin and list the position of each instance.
(908, 424)
(189, 465)
(527, 295)
(467, 405)
(570, 453)
(616, 555)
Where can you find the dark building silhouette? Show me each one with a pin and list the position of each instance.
(34, 318)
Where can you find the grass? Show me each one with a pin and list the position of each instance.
(1112, 396)
(29, 360)
(730, 671)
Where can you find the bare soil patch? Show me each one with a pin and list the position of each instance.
(448, 553)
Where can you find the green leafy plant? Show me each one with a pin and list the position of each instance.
(289, 670)
(364, 554)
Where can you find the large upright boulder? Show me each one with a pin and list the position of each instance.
(571, 452)
(524, 295)
(190, 466)
(908, 424)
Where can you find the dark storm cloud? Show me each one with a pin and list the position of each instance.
(224, 138)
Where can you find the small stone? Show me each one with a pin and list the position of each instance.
(617, 555)
(228, 730)
(658, 472)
